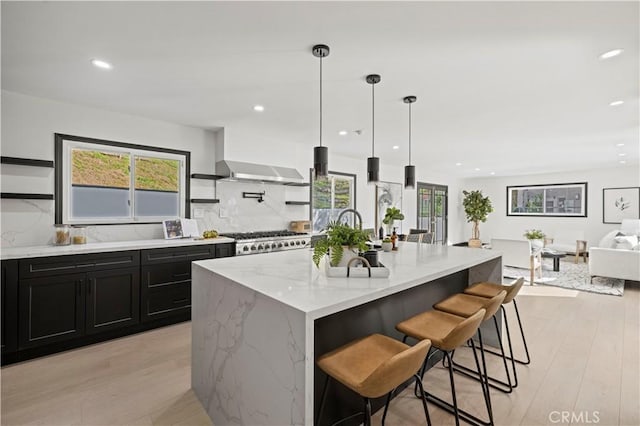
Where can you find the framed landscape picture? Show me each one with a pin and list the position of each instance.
(620, 203)
(554, 200)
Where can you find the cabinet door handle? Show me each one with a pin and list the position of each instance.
(91, 282)
(184, 274)
(180, 300)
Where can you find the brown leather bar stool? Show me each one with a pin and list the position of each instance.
(488, 290)
(465, 305)
(448, 332)
(372, 367)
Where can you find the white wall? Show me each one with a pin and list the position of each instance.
(28, 125)
(30, 122)
(499, 225)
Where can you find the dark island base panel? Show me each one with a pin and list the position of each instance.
(27, 354)
(379, 316)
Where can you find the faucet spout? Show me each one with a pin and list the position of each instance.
(355, 212)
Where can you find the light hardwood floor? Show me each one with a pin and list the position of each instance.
(585, 359)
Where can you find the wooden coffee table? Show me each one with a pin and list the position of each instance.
(556, 256)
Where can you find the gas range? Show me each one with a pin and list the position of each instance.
(268, 241)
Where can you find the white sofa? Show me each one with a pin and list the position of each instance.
(518, 253)
(608, 261)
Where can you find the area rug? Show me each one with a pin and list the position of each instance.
(573, 276)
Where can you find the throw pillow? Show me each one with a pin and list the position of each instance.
(627, 242)
(608, 240)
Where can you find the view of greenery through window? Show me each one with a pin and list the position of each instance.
(111, 170)
(329, 197)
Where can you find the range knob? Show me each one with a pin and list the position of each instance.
(260, 247)
(286, 243)
(303, 242)
(279, 245)
(253, 247)
(245, 249)
(297, 243)
(267, 246)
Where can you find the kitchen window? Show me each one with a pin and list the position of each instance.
(330, 196)
(105, 182)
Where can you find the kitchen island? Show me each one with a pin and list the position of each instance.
(259, 322)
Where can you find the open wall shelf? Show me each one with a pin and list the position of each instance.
(204, 201)
(23, 196)
(297, 184)
(297, 203)
(205, 176)
(26, 162)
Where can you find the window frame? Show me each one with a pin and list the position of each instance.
(63, 178)
(311, 179)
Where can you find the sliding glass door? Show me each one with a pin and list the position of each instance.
(432, 210)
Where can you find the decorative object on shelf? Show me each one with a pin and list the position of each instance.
(620, 203)
(552, 200)
(477, 208)
(387, 245)
(373, 162)
(342, 243)
(320, 153)
(388, 194)
(391, 215)
(536, 237)
(79, 235)
(409, 170)
(255, 195)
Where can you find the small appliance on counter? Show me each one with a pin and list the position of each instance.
(300, 226)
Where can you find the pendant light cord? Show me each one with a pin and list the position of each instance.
(320, 100)
(410, 134)
(373, 120)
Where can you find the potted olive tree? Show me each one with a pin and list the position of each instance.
(342, 243)
(477, 208)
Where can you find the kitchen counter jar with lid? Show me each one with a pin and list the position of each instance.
(79, 235)
(61, 236)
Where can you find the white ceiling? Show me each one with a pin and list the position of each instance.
(508, 87)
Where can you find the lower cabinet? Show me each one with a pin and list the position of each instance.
(55, 303)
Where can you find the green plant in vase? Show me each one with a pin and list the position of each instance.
(392, 214)
(536, 237)
(341, 240)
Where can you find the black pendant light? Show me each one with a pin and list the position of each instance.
(320, 153)
(373, 162)
(409, 171)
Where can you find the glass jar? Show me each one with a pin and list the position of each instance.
(62, 235)
(79, 235)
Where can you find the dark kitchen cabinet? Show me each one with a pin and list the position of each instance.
(166, 278)
(63, 298)
(113, 299)
(51, 309)
(9, 307)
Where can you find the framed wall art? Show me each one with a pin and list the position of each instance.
(553, 200)
(620, 203)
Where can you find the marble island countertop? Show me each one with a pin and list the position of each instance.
(51, 250)
(290, 277)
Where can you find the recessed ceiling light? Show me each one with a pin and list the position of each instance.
(396, 147)
(611, 53)
(492, 173)
(622, 162)
(101, 64)
(258, 108)
(620, 144)
(622, 154)
(458, 164)
(342, 132)
(476, 169)
(616, 103)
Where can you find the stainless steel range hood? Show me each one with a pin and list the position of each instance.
(237, 170)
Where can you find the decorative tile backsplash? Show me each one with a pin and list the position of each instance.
(30, 222)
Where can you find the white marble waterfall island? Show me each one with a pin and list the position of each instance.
(260, 321)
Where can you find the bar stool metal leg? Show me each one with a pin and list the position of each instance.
(323, 399)
(524, 340)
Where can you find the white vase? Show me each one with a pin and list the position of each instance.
(347, 255)
(387, 246)
(537, 244)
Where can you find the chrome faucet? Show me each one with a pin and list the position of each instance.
(355, 212)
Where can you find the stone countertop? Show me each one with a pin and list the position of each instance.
(291, 278)
(42, 251)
